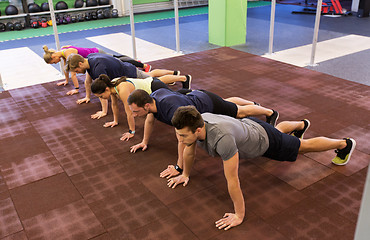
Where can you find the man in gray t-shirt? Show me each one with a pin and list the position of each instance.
(232, 139)
(226, 136)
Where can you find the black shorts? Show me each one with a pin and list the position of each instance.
(282, 147)
(157, 84)
(220, 106)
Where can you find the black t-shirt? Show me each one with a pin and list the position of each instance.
(167, 101)
(105, 64)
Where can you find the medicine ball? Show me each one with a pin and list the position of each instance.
(50, 22)
(79, 3)
(10, 26)
(91, 3)
(103, 2)
(34, 8)
(68, 18)
(45, 7)
(80, 17)
(107, 13)
(2, 27)
(94, 15)
(74, 19)
(61, 5)
(18, 26)
(88, 16)
(115, 13)
(11, 10)
(100, 14)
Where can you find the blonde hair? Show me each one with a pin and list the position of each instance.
(48, 54)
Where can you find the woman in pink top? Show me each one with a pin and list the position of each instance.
(51, 56)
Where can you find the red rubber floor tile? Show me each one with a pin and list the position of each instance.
(311, 220)
(72, 221)
(299, 174)
(30, 169)
(9, 221)
(47, 194)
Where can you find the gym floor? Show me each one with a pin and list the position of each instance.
(64, 176)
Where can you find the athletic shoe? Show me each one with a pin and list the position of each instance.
(148, 68)
(300, 133)
(273, 118)
(343, 155)
(187, 83)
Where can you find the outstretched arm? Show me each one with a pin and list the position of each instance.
(230, 220)
(88, 81)
(124, 93)
(188, 161)
(148, 129)
(115, 111)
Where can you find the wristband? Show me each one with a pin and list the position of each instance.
(77, 87)
(178, 168)
(131, 132)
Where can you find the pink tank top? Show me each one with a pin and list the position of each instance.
(84, 52)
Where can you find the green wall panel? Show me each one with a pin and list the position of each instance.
(227, 22)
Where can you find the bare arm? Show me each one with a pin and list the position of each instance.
(124, 92)
(115, 109)
(230, 220)
(148, 129)
(88, 81)
(188, 161)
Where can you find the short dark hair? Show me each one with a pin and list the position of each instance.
(187, 116)
(73, 61)
(139, 97)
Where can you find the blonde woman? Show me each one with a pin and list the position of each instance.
(51, 57)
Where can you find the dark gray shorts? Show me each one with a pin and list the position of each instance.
(282, 147)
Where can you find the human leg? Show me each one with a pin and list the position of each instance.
(344, 147)
(185, 79)
(290, 126)
(239, 101)
(162, 72)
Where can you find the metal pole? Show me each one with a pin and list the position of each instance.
(176, 7)
(315, 33)
(132, 25)
(56, 36)
(272, 24)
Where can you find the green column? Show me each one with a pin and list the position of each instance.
(227, 22)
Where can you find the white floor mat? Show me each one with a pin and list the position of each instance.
(325, 50)
(24, 68)
(122, 43)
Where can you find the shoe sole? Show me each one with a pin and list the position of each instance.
(277, 118)
(350, 153)
(308, 126)
(189, 81)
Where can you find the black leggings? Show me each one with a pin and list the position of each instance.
(125, 58)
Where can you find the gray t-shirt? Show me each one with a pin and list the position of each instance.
(225, 136)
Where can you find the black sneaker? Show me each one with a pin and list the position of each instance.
(273, 118)
(300, 133)
(176, 72)
(187, 83)
(343, 155)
